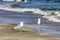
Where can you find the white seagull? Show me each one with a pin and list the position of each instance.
(19, 26)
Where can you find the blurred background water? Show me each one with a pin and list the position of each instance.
(34, 4)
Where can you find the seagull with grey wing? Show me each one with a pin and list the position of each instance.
(19, 26)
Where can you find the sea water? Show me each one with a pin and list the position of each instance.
(30, 19)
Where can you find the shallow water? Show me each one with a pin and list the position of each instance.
(7, 17)
(46, 28)
(30, 21)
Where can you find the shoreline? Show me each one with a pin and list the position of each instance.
(6, 33)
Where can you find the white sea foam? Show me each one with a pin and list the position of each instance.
(47, 14)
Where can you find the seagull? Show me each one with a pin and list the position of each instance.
(19, 26)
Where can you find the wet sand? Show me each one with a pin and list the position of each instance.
(6, 33)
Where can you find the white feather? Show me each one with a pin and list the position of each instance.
(19, 26)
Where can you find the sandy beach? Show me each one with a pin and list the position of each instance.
(6, 33)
